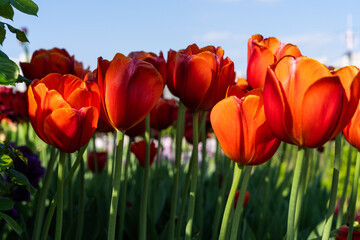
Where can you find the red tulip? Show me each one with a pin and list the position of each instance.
(129, 89)
(264, 52)
(200, 77)
(242, 129)
(104, 125)
(54, 60)
(343, 231)
(64, 110)
(137, 130)
(101, 159)
(164, 114)
(188, 127)
(20, 105)
(296, 99)
(13, 105)
(139, 148)
(157, 61)
(246, 198)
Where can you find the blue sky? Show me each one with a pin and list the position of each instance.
(89, 29)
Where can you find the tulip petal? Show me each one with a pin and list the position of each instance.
(193, 76)
(132, 88)
(319, 115)
(68, 129)
(79, 98)
(259, 59)
(226, 121)
(277, 108)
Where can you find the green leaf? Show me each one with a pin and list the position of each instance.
(21, 79)
(5, 162)
(6, 203)
(2, 35)
(25, 6)
(20, 179)
(9, 71)
(6, 11)
(12, 223)
(17, 177)
(20, 35)
(2, 54)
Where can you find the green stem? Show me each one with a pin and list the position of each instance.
(354, 196)
(334, 187)
(60, 191)
(123, 193)
(116, 186)
(301, 191)
(339, 220)
(69, 190)
(94, 153)
(194, 172)
(202, 174)
(158, 153)
(43, 194)
(219, 202)
(230, 201)
(48, 218)
(178, 148)
(293, 195)
(183, 201)
(76, 164)
(54, 201)
(265, 204)
(239, 205)
(144, 196)
(79, 229)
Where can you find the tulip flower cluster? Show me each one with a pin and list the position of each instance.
(285, 99)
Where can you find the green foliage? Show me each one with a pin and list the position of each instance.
(6, 203)
(6, 10)
(11, 222)
(25, 6)
(9, 71)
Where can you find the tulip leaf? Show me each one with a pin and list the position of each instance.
(9, 71)
(11, 222)
(5, 162)
(2, 34)
(20, 179)
(21, 79)
(6, 203)
(25, 6)
(6, 10)
(20, 35)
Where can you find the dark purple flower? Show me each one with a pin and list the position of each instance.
(33, 169)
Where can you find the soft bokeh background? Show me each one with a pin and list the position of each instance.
(89, 29)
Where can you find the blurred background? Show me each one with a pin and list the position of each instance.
(325, 30)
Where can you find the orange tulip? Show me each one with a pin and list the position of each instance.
(164, 114)
(54, 60)
(296, 97)
(264, 52)
(242, 129)
(64, 110)
(239, 89)
(129, 89)
(104, 125)
(139, 148)
(200, 77)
